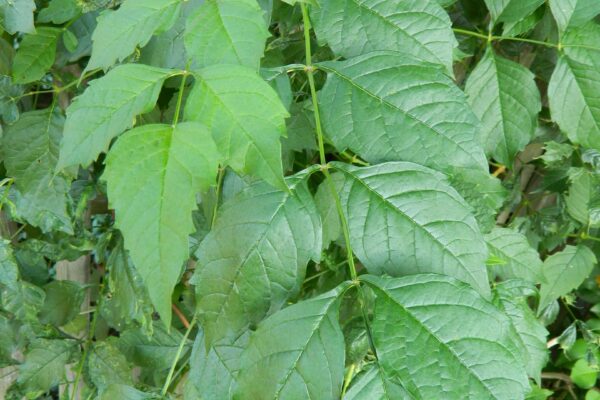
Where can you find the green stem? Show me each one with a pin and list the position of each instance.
(348, 379)
(324, 167)
(180, 96)
(514, 39)
(217, 196)
(177, 356)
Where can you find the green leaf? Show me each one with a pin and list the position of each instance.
(297, 353)
(119, 32)
(583, 199)
(574, 103)
(583, 374)
(124, 392)
(226, 32)
(519, 259)
(106, 109)
(376, 385)
(9, 111)
(18, 15)
(245, 116)
(565, 271)
(388, 107)
(511, 10)
(418, 27)
(255, 257)
(59, 11)
(405, 219)
(35, 55)
(30, 149)
(581, 44)
(168, 166)
(44, 365)
(570, 13)
(62, 302)
(481, 362)
(504, 96)
(69, 40)
(108, 366)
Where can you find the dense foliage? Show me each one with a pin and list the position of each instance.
(300, 199)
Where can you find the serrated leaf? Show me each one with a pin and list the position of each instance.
(18, 15)
(245, 116)
(511, 10)
(59, 11)
(418, 27)
(35, 55)
(574, 103)
(565, 271)
(570, 13)
(504, 96)
(106, 109)
(405, 219)
(388, 107)
(583, 199)
(376, 385)
(519, 259)
(30, 149)
(108, 366)
(44, 365)
(119, 32)
(255, 256)
(481, 362)
(296, 353)
(62, 302)
(168, 165)
(226, 32)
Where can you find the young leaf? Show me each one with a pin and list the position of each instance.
(18, 15)
(296, 353)
(30, 149)
(119, 32)
(226, 32)
(153, 174)
(570, 13)
(511, 10)
(106, 109)
(520, 260)
(245, 116)
(504, 96)
(388, 107)
(481, 362)
(574, 103)
(35, 55)
(59, 11)
(565, 271)
(376, 385)
(418, 27)
(255, 257)
(44, 365)
(414, 223)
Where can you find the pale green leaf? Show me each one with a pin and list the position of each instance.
(30, 149)
(565, 271)
(70, 41)
(255, 256)
(570, 13)
(297, 353)
(511, 10)
(124, 392)
(35, 55)
(62, 302)
(245, 116)
(107, 366)
(226, 32)
(583, 199)
(480, 362)
(119, 32)
(504, 96)
(574, 102)
(406, 219)
(106, 109)
(582, 44)
(376, 385)
(45, 365)
(389, 107)
(59, 11)
(153, 174)
(519, 259)
(18, 15)
(583, 374)
(354, 27)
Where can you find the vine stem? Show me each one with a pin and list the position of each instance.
(310, 69)
(177, 356)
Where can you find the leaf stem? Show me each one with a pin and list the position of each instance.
(220, 177)
(324, 166)
(180, 95)
(514, 39)
(177, 356)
